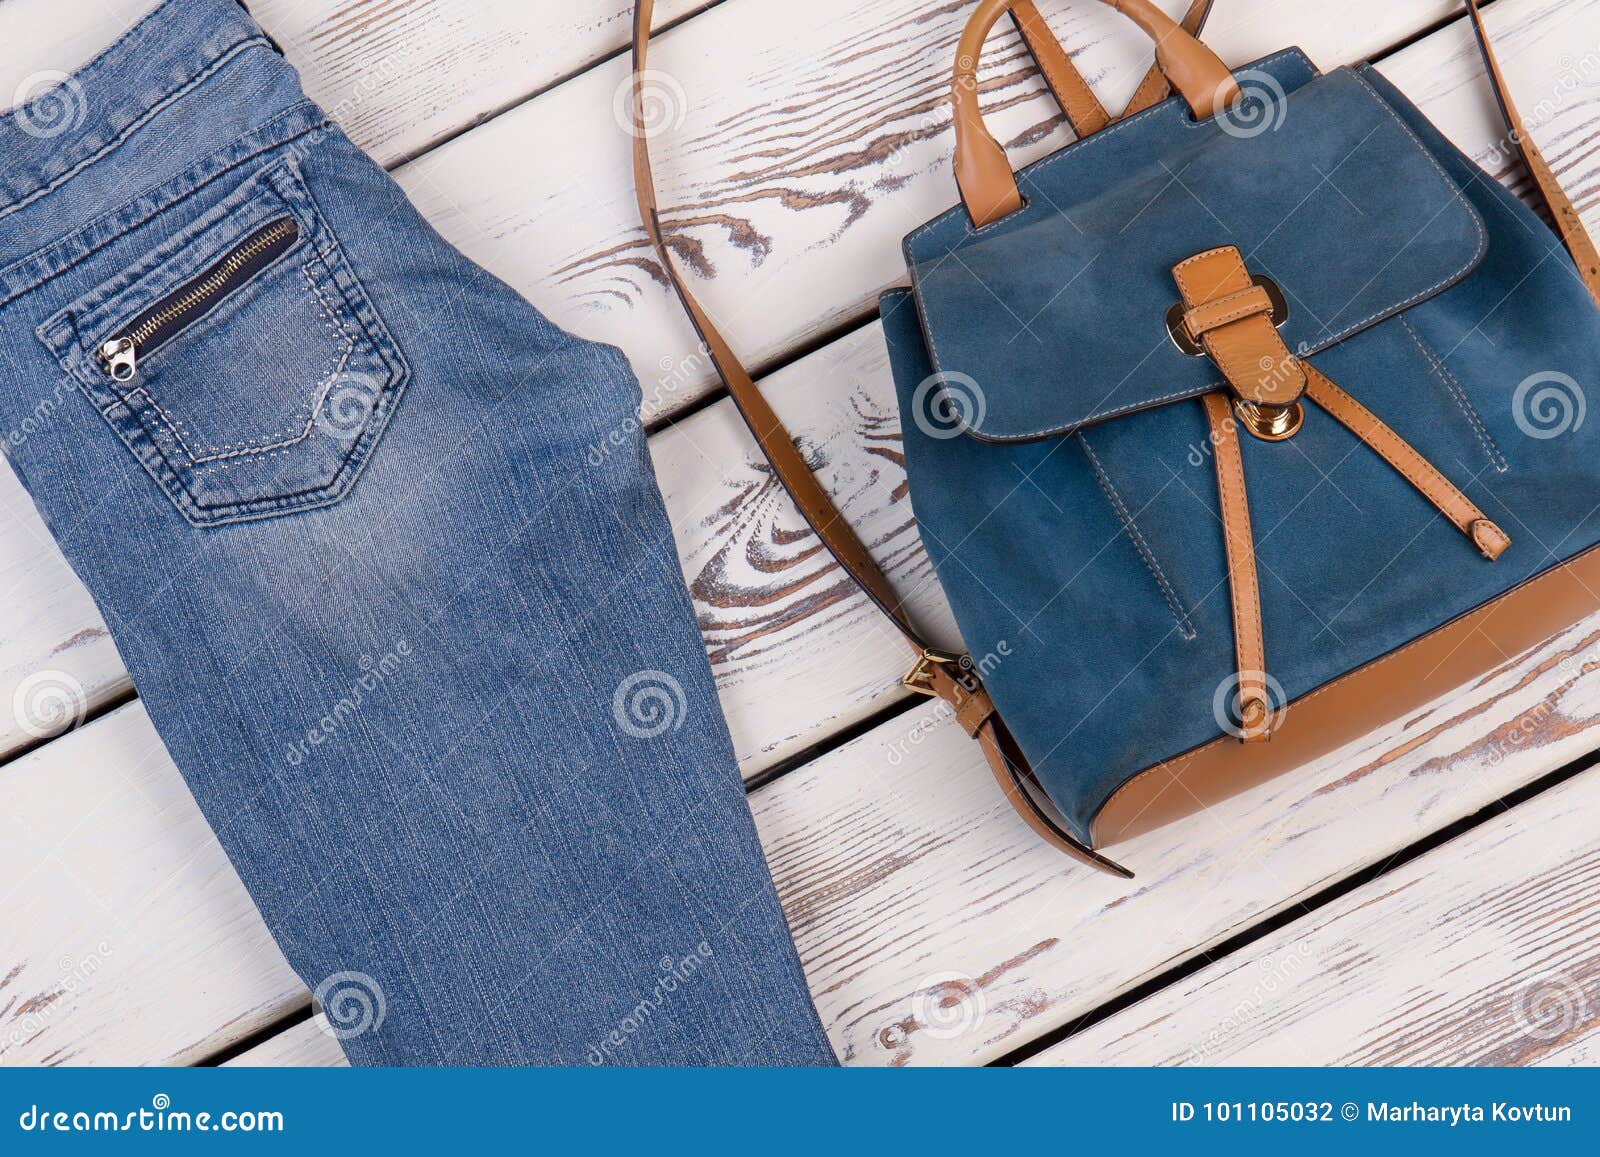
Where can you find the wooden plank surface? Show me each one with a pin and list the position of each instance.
(399, 75)
(127, 938)
(309, 1044)
(934, 927)
(1481, 952)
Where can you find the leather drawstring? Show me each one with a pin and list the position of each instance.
(1230, 316)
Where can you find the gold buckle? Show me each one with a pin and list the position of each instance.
(919, 678)
(1269, 423)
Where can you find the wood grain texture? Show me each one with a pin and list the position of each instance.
(792, 157)
(398, 75)
(1481, 952)
(401, 75)
(309, 1044)
(936, 929)
(126, 938)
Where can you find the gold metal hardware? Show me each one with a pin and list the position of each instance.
(1269, 423)
(920, 679)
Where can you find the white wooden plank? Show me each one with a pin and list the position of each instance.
(399, 75)
(935, 928)
(57, 662)
(126, 935)
(1481, 952)
(795, 152)
(309, 1044)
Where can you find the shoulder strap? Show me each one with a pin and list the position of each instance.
(1560, 206)
(946, 676)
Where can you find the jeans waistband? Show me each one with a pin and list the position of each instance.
(190, 79)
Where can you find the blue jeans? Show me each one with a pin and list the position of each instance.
(384, 555)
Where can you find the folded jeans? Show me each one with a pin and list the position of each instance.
(383, 552)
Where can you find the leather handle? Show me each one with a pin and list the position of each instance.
(983, 173)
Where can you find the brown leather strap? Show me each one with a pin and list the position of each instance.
(1082, 108)
(983, 174)
(934, 672)
(1254, 707)
(1416, 469)
(1230, 316)
(1562, 211)
(1154, 89)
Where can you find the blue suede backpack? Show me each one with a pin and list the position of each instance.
(1240, 426)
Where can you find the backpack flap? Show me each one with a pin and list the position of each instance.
(1055, 317)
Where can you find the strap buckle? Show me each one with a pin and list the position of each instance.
(920, 677)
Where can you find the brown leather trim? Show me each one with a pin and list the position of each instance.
(1359, 702)
(954, 684)
(1078, 102)
(1222, 312)
(1250, 650)
(1570, 225)
(1417, 470)
(1154, 89)
(988, 186)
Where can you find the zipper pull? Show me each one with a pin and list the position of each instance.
(121, 359)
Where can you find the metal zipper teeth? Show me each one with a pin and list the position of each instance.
(214, 283)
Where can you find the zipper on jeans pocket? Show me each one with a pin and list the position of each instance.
(195, 298)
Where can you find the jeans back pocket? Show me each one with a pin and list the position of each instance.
(241, 362)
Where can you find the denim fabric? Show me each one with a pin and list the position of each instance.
(384, 554)
(1094, 561)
